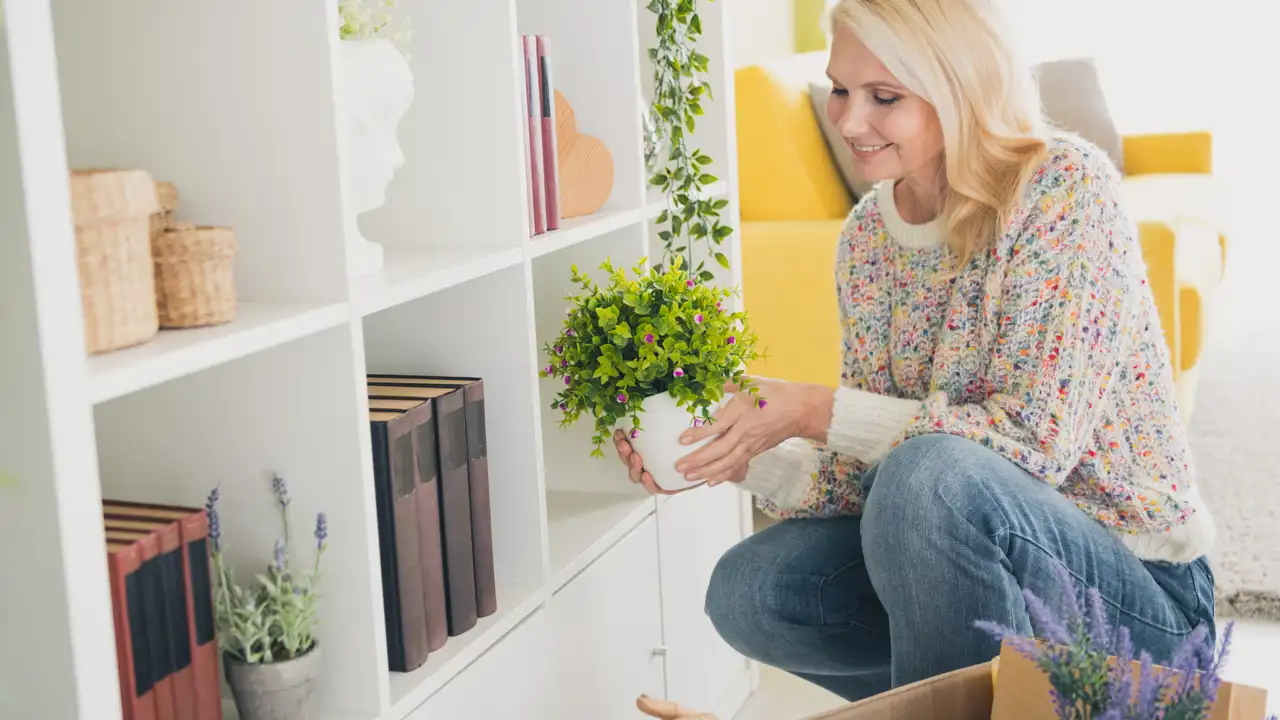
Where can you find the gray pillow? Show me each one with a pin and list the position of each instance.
(819, 92)
(1070, 91)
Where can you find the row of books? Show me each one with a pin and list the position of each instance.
(162, 603)
(542, 165)
(431, 481)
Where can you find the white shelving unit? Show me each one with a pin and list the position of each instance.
(600, 586)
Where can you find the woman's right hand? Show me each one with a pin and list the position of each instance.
(635, 466)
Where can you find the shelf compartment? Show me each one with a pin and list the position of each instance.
(248, 136)
(582, 526)
(292, 410)
(411, 689)
(410, 274)
(176, 353)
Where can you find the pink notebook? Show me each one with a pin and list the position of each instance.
(550, 163)
(536, 171)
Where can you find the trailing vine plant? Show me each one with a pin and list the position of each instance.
(679, 91)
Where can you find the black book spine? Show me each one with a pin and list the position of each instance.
(455, 513)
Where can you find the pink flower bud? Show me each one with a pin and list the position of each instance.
(679, 372)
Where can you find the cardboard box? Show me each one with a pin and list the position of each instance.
(1010, 687)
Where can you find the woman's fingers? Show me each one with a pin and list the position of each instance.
(725, 464)
(722, 420)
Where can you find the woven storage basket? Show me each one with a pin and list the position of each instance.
(194, 275)
(112, 211)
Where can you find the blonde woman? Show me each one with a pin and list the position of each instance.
(1007, 406)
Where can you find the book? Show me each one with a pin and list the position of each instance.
(401, 534)
(197, 583)
(419, 417)
(525, 114)
(455, 496)
(133, 647)
(478, 471)
(152, 594)
(550, 161)
(537, 176)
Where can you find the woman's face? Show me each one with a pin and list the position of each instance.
(893, 133)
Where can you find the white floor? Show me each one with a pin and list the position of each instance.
(1254, 660)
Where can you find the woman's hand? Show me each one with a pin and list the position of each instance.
(635, 466)
(742, 430)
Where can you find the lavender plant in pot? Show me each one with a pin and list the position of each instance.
(266, 630)
(652, 355)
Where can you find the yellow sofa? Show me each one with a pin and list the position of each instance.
(793, 203)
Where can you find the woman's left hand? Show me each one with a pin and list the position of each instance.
(742, 430)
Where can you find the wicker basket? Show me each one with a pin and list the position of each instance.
(194, 275)
(112, 211)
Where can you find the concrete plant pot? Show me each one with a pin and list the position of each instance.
(273, 691)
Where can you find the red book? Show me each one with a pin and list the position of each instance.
(550, 163)
(537, 177)
(137, 692)
(197, 586)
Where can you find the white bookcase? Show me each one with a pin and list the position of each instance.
(600, 586)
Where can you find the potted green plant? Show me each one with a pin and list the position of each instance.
(266, 630)
(652, 355)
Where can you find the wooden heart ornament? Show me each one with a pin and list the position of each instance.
(586, 167)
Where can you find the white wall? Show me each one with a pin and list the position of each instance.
(760, 30)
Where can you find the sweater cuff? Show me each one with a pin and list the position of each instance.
(783, 475)
(864, 425)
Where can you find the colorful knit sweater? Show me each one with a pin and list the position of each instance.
(1045, 348)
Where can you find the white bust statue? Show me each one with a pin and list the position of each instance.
(377, 87)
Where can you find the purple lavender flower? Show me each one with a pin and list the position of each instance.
(279, 555)
(1149, 681)
(281, 490)
(1121, 672)
(1044, 619)
(322, 530)
(679, 372)
(1099, 632)
(215, 522)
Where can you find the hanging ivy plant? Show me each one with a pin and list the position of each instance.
(679, 91)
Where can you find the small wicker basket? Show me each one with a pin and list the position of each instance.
(112, 212)
(194, 275)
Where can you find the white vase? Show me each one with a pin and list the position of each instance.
(658, 442)
(377, 89)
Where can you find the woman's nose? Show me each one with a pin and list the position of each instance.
(852, 120)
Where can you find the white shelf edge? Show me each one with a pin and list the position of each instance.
(581, 229)
(487, 632)
(643, 507)
(381, 291)
(177, 353)
(657, 202)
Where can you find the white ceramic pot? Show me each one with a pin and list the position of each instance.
(377, 87)
(658, 442)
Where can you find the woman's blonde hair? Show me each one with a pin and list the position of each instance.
(955, 54)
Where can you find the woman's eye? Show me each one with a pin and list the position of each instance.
(841, 92)
(886, 100)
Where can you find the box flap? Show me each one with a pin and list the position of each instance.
(963, 694)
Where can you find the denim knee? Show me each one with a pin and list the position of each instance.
(907, 496)
(730, 597)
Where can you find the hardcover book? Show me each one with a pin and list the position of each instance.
(455, 496)
(478, 470)
(550, 161)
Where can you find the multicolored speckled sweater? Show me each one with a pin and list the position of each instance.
(1045, 348)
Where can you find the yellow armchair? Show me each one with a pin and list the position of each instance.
(793, 205)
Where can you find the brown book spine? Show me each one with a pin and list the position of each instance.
(201, 625)
(481, 519)
(174, 598)
(394, 469)
(157, 627)
(426, 497)
(455, 512)
(137, 694)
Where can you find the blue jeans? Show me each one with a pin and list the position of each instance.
(951, 533)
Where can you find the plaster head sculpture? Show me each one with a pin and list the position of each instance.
(377, 87)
